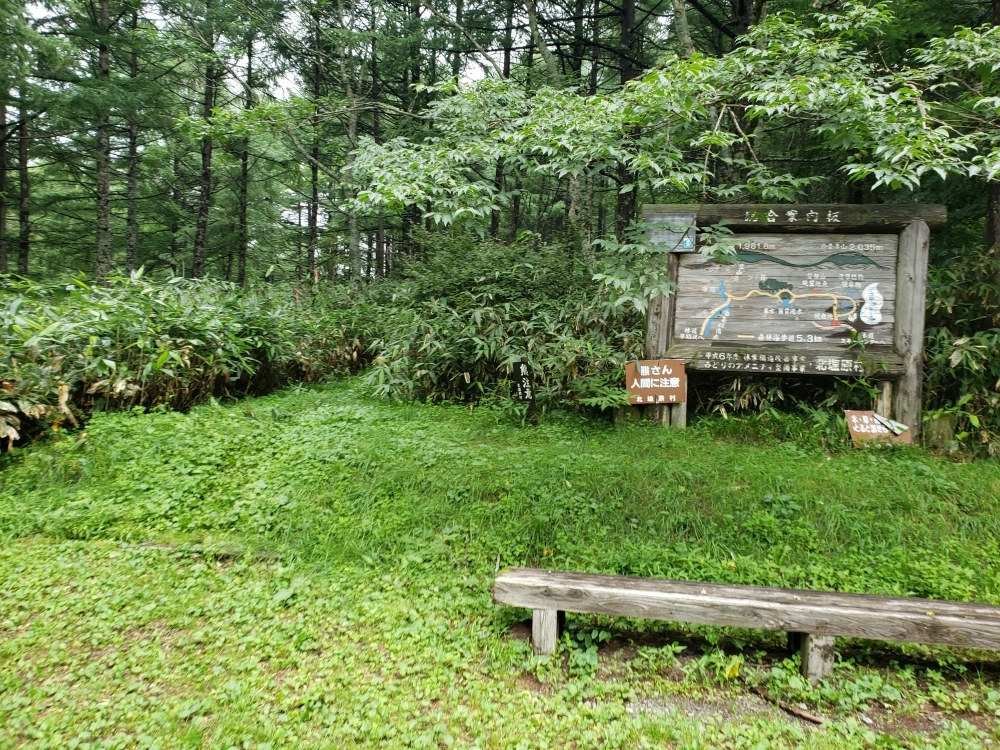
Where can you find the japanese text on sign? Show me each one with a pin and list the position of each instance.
(656, 381)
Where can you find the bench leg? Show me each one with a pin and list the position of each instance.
(544, 631)
(817, 656)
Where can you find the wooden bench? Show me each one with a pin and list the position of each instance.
(812, 618)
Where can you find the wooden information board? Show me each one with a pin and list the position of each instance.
(790, 304)
(812, 290)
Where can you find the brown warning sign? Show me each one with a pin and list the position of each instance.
(867, 427)
(656, 381)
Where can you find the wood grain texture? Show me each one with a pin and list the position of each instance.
(816, 612)
(659, 326)
(544, 631)
(818, 653)
(911, 283)
(883, 404)
(800, 291)
(782, 359)
(852, 217)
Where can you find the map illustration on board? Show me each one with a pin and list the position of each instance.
(808, 292)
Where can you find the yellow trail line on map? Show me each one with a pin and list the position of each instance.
(777, 295)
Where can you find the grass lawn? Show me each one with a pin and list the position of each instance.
(313, 569)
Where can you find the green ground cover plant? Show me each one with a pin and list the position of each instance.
(313, 569)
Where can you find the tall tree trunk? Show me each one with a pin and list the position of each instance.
(515, 210)
(626, 202)
(350, 190)
(24, 206)
(498, 186)
(456, 60)
(508, 39)
(681, 29)
(579, 43)
(179, 209)
(543, 48)
(627, 39)
(317, 92)
(205, 179)
(3, 188)
(381, 263)
(741, 16)
(993, 187)
(353, 232)
(104, 149)
(595, 47)
(243, 237)
(132, 184)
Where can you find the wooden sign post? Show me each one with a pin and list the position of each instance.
(525, 388)
(812, 289)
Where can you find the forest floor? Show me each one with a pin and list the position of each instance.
(313, 569)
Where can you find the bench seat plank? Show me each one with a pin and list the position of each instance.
(818, 612)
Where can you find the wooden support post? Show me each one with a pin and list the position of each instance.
(911, 283)
(544, 631)
(659, 326)
(883, 404)
(678, 415)
(818, 652)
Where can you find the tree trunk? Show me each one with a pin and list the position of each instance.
(626, 55)
(456, 60)
(243, 238)
(579, 43)
(3, 189)
(993, 187)
(132, 185)
(103, 268)
(381, 264)
(625, 204)
(681, 29)
(350, 191)
(515, 210)
(205, 179)
(543, 48)
(498, 186)
(595, 47)
(317, 92)
(24, 208)
(508, 39)
(179, 209)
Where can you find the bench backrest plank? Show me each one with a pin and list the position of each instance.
(819, 612)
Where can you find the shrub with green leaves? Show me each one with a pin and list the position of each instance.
(67, 350)
(458, 323)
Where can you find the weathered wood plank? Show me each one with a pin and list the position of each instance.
(542, 577)
(816, 612)
(809, 218)
(883, 404)
(804, 360)
(544, 631)
(659, 326)
(818, 653)
(911, 284)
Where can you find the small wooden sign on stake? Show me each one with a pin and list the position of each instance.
(869, 427)
(656, 381)
(524, 387)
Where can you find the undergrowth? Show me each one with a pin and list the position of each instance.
(313, 569)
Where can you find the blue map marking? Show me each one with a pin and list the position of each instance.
(725, 296)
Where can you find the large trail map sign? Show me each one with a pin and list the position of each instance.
(811, 289)
(827, 297)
